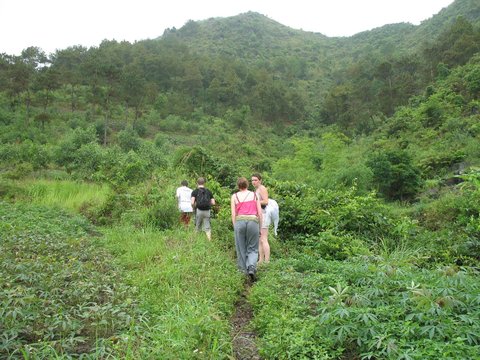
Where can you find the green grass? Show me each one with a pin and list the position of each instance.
(168, 294)
(187, 285)
(70, 195)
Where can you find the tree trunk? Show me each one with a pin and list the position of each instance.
(105, 126)
(28, 101)
(72, 99)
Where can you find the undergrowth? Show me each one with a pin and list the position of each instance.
(366, 308)
(60, 292)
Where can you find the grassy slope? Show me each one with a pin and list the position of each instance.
(160, 295)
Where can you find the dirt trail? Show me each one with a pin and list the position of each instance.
(244, 347)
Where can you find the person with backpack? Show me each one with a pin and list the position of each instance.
(247, 219)
(184, 195)
(202, 201)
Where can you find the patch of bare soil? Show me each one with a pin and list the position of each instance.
(244, 347)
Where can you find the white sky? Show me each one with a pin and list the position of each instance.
(58, 24)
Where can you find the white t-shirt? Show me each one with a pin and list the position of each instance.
(184, 197)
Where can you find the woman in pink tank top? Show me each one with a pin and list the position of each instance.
(247, 219)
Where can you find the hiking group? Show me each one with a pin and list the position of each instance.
(252, 213)
(201, 200)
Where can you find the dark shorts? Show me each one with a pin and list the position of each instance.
(185, 217)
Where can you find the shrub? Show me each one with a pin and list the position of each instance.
(162, 215)
(128, 139)
(308, 212)
(38, 156)
(333, 247)
(200, 162)
(66, 151)
(395, 175)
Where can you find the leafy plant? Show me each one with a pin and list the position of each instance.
(367, 308)
(395, 175)
(60, 293)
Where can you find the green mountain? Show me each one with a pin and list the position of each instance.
(338, 74)
(255, 37)
(229, 74)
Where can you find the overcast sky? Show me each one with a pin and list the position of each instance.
(58, 24)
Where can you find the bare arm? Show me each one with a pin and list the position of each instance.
(259, 213)
(232, 208)
(263, 194)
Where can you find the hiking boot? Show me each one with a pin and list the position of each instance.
(251, 273)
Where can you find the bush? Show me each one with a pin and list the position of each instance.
(133, 169)
(128, 139)
(395, 175)
(334, 247)
(162, 215)
(38, 156)
(200, 162)
(86, 161)
(66, 151)
(308, 212)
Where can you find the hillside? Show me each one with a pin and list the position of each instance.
(252, 36)
(338, 74)
(228, 74)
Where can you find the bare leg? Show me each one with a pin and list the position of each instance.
(264, 247)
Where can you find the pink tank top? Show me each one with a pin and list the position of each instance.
(246, 207)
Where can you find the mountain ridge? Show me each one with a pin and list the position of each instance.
(257, 30)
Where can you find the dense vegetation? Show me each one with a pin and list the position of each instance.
(370, 144)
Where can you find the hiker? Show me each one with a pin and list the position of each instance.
(246, 219)
(262, 194)
(202, 201)
(184, 196)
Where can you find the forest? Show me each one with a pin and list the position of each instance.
(369, 144)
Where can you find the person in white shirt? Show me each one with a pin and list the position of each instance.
(184, 194)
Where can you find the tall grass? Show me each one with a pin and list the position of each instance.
(66, 194)
(187, 284)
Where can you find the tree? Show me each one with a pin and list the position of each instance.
(337, 105)
(46, 80)
(303, 166)
(191, 81)
(68, 63)
(134, 86)
(395, 175)
(16, 78)
(454, 46)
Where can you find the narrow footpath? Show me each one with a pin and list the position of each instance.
(244, 347)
